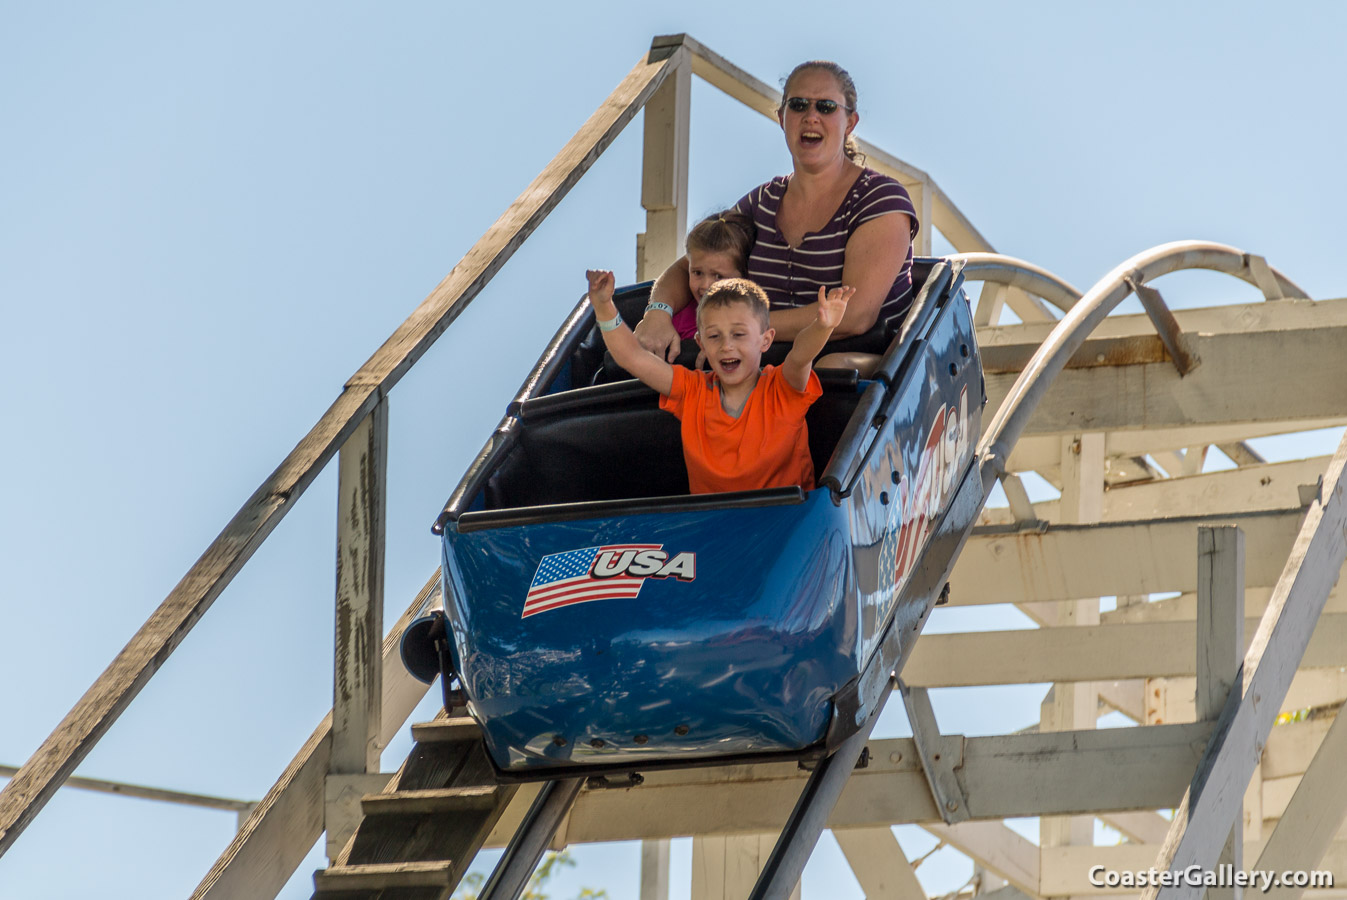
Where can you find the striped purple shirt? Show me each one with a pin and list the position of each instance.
(791, 276)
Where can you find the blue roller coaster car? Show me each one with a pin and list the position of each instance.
(599, 618)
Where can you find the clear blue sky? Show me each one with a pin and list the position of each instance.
(211, 216)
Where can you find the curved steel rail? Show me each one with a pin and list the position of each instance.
(1020, 274)
(1066, 338)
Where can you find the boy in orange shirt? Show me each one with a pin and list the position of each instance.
(743, 428)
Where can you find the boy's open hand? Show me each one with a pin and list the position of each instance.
(832, 305)
(601, 284)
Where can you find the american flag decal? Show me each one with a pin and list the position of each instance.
(566, 578)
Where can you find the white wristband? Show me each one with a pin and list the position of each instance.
(610, 324)
(662, 307)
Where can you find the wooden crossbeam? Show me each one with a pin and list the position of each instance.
(1225, 389)
(1203, 819)
(1067, 562)
(1006, 775)
(1087, 653)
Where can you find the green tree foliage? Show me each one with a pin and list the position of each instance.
(473, 882)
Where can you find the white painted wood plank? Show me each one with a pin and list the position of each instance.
(1068, 562)
(878, 863)
(362, 488)
(1086, 653)
(1225, 389)
(996, 847)
(1202, 820)
(1314, 815)
(1249, 489)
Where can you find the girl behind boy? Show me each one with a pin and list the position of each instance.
(718, 248)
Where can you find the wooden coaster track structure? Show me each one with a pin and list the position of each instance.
(1116, 411)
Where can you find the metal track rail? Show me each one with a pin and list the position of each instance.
(809, 817)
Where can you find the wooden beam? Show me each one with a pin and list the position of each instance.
(1005, 776)
(1220, 648)
(655, 870)
(996, 847)
(1039, 452)
(1314, 815)
(725, 867)
(1203, 819)
(664, 171)
(1139, 827)
(1170, 700)
(1085, 653)
(1225, 389)
(94, 713)
(362, 488)
(283, 827)
(1248, 489)
(1067, 562)
(879, 864)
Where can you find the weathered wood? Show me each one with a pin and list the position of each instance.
(1170, 700)
(878, 863)
(664, 170)
(80, 730)
(1224, 389)
(283, 827)
(1008, 775)
(1086, 653)
(458, 728)
(441, 800)
(144, 792)
(362, 490)
(655, 870)
(1203, 819)
(1220, 616)
(1066, 562)
(1139, 827)
(1220, 649)
(1042, 452)
(1248, 489)
(996, 847)
(725, 867)
(1314, 815)
(386, 875)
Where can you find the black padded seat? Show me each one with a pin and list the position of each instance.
(613, 442)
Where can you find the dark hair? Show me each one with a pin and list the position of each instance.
(728, 291)
(844, 81)
(724, 232)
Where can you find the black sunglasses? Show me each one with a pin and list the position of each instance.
(824, 107)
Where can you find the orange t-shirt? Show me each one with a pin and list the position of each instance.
(767, 446)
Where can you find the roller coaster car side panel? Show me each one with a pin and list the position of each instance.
(736, 650)
(725, 633)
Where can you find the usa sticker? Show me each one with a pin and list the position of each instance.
(610, 572)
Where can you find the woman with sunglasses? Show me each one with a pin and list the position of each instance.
(830, 222)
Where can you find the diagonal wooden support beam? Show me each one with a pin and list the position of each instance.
(1316, 811)
(879, 864)
(25, 796)
(996, 847)
(1204, 818)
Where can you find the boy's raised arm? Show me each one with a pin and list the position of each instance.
(624, 346)
(800, 361)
